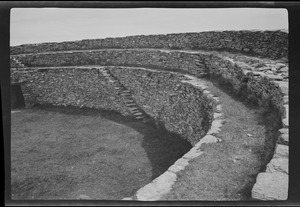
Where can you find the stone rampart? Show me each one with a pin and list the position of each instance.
(154, 59)
(163, 95)
(272, 44)
(260, 90)
(179, 107)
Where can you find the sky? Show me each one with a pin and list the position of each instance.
(38, 25)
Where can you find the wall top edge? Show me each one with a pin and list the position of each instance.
(151, 35)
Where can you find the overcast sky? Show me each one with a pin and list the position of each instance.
(37, 25)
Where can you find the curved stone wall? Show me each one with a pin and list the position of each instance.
(271, 44)
(261, 90)
(163, 95)
(258, 89)
(166, 60)
(180, 107)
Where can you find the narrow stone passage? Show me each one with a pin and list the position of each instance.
(227, 170)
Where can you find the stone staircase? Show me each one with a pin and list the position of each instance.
(201, 71)
(130, 103)
(18, 63)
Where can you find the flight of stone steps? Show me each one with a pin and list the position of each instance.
(18, 63)
(201, 70)
(134, 109)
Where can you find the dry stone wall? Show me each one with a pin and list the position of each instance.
(69, 86)
(272, 44)
(137, 58)
(260, 90)
(179, 107)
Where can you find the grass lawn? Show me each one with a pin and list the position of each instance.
(66, 152)
(228, 170)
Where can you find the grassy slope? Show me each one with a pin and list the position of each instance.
(61, 153)
(227, 170)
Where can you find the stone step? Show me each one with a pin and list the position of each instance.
(130, 104)
(136, 113)
(202, 74)
(199, 64)
(125, 94)
(133, 108)
(139, 117)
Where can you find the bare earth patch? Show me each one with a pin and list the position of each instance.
(69, 153)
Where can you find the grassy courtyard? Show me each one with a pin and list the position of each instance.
(70, 153)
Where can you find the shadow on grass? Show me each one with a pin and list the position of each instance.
(163, 148)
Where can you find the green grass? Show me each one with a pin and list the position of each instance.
(62, 153)
(228, 170)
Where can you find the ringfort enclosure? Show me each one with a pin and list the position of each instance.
(159, 78)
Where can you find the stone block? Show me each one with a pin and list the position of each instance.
(284, 139)
(179, 165)
(284, 130)
(193, 153)
(157, 188)
(278, 165)
(215, 127)
(281, 151)
(271, 186)
(217, 115)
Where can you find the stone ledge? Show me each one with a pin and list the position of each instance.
(273, 184)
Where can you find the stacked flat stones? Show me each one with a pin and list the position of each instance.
(273, 183)
(201, 70)
(134, 109)
(163, 184)
(16, 63)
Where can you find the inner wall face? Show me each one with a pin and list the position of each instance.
(180, 107)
